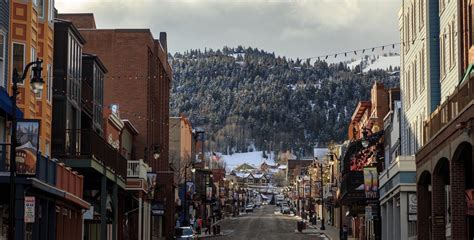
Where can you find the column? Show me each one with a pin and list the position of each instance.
(458, 206)
(403, 215)
(115, 211)
(437, 211)
(140, 210)
(396, 218)
(423, 212)
(103, 207)
(390, 219)
(19, 212)
(384, 218)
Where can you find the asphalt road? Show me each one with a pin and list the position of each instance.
(262, 224)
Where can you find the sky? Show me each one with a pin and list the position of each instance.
(291, 28)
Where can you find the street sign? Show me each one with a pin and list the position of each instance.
(29, 209)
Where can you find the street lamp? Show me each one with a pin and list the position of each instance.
(37, 85)
(298, 180)
(322, 194)
(156, 152)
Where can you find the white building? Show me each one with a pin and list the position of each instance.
(430, 71)
(396, 183)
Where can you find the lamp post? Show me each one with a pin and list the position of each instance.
(322, 195)
(298, 180)
(37, 85)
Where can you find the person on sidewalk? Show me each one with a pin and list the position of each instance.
(208, 226)
(199, 225)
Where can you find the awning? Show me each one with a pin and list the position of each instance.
(6, 104)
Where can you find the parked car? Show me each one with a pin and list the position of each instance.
(286, 210)
(249, 208)
(187, 233)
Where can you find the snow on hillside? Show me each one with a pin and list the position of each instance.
(252, 158)
(375, 62)
(383, 63)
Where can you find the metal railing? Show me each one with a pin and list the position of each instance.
(136, 169)
(86, 143)
(449, 109)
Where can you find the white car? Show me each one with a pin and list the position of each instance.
(185, 233)
(249, 208)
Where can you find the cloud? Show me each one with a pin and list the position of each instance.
(295, 28)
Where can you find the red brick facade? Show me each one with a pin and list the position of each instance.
(138, 81)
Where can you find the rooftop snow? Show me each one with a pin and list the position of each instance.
(252, 158)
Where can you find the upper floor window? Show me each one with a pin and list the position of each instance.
(40, 8)
(471, 21)
(50, 10)
(49, 83)
(3, 68)
(18, 62)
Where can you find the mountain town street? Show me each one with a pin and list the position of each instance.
(264, 223)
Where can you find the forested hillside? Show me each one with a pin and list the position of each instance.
(248, 97)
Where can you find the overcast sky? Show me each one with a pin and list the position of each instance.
(293, 28)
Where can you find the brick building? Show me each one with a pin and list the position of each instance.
(445, 182)
(138, 68)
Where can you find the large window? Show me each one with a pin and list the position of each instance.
(49, 83)
(18, 57)
(50, 10)
(40, 8)
(3, 68)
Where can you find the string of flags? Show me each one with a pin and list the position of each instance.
(381, 47)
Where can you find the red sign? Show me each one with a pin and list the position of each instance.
(470, 201)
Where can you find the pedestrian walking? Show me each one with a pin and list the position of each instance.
(208, 225)
(199, 225)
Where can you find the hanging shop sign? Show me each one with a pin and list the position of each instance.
(209, 193)
(412, 207)
(151, 182)
(27, 138)
(29, 209)
(157, 209)
(371, 184)
(470, 202)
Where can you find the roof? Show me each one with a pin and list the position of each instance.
(360, 109)
(97, 60)
(66, 23)
(130, 126)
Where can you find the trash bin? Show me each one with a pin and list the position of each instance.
(299, 225)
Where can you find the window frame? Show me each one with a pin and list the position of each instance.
(3, 62)
(24, 57)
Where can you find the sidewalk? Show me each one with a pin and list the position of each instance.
(331, 232)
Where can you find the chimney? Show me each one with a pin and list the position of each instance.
(163, 42)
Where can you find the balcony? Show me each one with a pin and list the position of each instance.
(450, 109)
(137, 169)
(90, 145)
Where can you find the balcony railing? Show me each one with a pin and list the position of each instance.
(136, 169)
(91, 144)
(450, 109)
